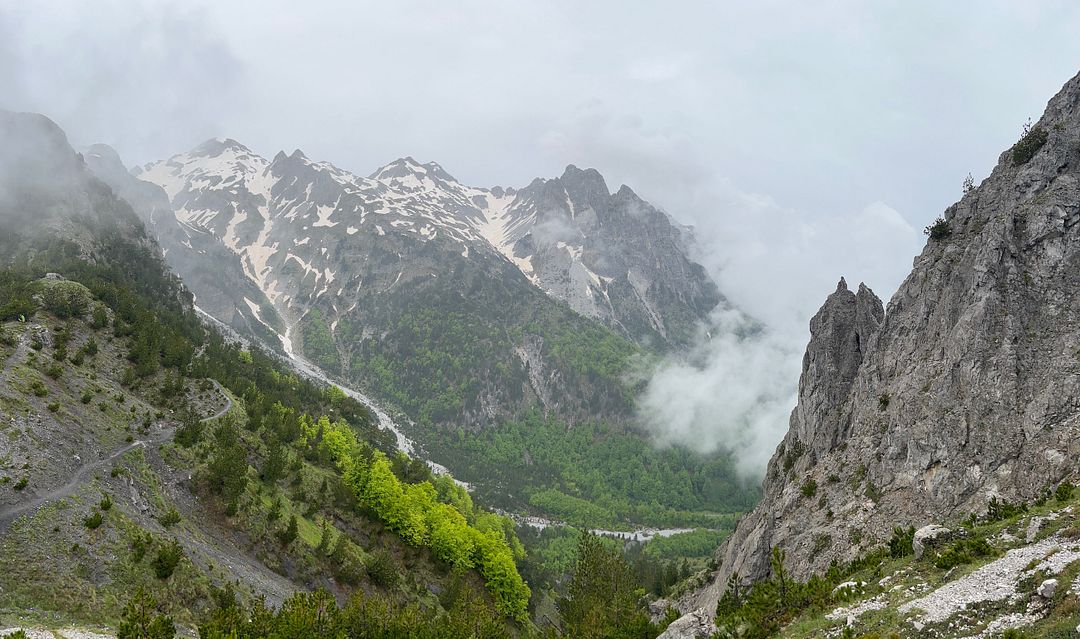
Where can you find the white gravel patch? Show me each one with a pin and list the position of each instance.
(1056, 562)
(72, 633)
(65, 633)
(1012, 620)
(32, 633)
(996, 581)
(857, 610)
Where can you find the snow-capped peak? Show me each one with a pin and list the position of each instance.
(215, 146)
(288, 219)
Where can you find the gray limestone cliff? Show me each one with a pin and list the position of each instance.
(967, 388)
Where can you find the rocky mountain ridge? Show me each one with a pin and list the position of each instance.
(611, 257)
(966, 389)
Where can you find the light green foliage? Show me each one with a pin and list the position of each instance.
(415, 512)
(448, 492)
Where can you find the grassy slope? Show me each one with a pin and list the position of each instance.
(892, 582)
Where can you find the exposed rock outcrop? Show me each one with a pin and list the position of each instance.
(967, 388)
(928, 537)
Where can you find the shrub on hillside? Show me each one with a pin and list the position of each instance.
(142, 621)
(964, 551)
(169, 518)
(938, 231)
(348, 564)
(66, 299)
(901, 543)
(1029, 145)
(289, 533)
(382, 569)
(167, 559)
(94, 521)
(1064, 492)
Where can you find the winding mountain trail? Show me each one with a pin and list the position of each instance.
(8, 514)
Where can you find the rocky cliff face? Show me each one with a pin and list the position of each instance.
(46, 186)
(611, 256)
(967, 388)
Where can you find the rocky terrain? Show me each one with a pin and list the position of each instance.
(964, 390)
(609, 256)
(410, 265)
(1026, 580)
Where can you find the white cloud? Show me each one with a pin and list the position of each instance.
(728, 392)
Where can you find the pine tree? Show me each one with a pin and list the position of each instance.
(274, 467)
(326, 540)
(779, 571)
(141, 621)
(288, 535)
(602, 600)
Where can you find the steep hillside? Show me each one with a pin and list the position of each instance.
(965, 391)
(143, 453)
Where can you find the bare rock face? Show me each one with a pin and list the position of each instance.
(927, 537)
(967, 388)
(1047, 588)
(839, 334)
(696, 625)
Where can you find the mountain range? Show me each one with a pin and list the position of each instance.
(925, 486)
